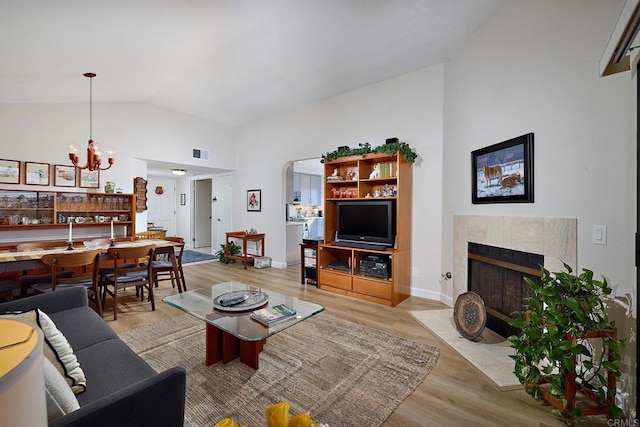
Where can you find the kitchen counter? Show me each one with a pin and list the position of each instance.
(304, 219)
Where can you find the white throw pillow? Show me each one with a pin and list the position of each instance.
(58, 350)
(60, 398)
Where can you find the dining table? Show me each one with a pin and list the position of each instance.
(12, 260)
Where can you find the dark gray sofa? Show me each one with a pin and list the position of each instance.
(122, 389)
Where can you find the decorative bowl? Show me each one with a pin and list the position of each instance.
(91, 244)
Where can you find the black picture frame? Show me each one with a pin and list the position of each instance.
(254, 200)
(503, 172)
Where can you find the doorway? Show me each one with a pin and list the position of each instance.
(222, 210)
(202, 213)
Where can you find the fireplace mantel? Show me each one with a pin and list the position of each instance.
(555, 238)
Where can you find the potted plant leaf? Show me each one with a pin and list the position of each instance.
(568, 345)
(234, 249)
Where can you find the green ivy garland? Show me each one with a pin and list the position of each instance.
(364, 149)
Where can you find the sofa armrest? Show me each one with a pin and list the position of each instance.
(157, 401)
(52, 302)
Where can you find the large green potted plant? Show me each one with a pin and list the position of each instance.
(552, 356)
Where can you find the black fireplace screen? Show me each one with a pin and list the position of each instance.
(496, 274)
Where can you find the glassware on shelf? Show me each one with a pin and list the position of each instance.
(100, 202)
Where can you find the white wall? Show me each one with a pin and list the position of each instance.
(409, 107)
(534, 68)
(40, 132)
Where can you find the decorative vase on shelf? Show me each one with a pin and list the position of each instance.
(109, 187)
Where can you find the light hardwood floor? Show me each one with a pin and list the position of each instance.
(453, 394)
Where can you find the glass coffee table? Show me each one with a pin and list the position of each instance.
(230, 331)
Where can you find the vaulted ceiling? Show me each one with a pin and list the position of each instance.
(230, 61)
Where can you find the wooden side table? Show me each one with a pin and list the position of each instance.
(244, 256)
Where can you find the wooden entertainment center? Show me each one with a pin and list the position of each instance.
(339, 267)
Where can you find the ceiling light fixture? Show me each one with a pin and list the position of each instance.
(178, 172)
(94, 150)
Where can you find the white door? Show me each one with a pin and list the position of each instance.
(161, 203)
(222, 210)
(202, 210)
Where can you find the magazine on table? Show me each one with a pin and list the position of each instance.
(273, 314)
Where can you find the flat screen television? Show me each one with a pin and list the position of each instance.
(366, 221)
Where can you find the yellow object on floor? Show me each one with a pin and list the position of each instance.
(277, 416)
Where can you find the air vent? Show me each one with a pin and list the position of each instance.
(199, 153)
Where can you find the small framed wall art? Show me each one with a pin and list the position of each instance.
(64, 176)
(503, 172)
(36, 173)
(254, 200)
(9, 171)
(89, 179)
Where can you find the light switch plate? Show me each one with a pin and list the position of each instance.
(599, 236)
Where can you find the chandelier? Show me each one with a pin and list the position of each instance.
(94, 150)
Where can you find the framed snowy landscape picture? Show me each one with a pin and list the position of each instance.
(503, 172)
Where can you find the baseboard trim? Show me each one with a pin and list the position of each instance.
(432, 295)
(276, 264)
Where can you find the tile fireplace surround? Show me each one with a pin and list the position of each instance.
(554, 238)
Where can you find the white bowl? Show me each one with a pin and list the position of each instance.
(91, 244)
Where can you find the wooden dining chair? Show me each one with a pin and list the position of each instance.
(179, 253)
(7, 289)
(167, 264)
(33, 277)
(124, 275)
(86, 260)
(105, 242)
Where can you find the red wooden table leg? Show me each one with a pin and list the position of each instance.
(249, 352)
(244, 251)
(230, 347)
(214, 345)
(222, 346)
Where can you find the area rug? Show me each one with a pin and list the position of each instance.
(342, 373)
(489, 353)
(189, 257)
